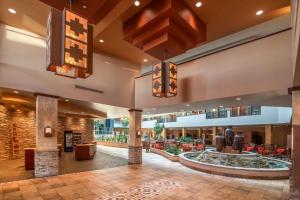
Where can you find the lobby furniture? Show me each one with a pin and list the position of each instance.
(85, 151)
(200, 147)
(29, 158)
(186, 147)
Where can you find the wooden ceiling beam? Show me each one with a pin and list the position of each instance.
(112, 16)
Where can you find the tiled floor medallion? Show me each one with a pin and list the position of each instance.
(144, 191)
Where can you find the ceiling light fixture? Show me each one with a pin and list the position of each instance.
(214, 110)
(84, 6)
(137, 3)
(187, 105)
(11, 10)
(259, 12)
(101, 41)
(16, 91)
(66, 100)
(145, 60)
(73, 42)
(153, 108)
(221, 106)
(238, 98)
(198, 4)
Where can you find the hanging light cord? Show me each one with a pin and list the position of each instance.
(70, 4)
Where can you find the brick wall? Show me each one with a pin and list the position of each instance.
(77, 125)
(25, 122)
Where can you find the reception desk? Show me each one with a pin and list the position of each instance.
(85, 151)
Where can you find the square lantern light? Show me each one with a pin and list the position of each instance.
(69, 44)
(164, 79)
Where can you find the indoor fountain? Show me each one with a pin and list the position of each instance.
(228, 158)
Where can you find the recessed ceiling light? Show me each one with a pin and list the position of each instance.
(12, 106)
(187, 105)
(101, 41)
(11, 10)
(221, 106)
(82, 112)
(259, 12)
(106, 62)
(214, 110)
(84, 6)
(198, 4)
(145, 60)
(238, 98)
(16, 91)
(66, 100)
(137, 2)
(153, 108)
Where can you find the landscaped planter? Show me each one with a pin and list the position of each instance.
(252, 173)
(113, 144)
(173, 158)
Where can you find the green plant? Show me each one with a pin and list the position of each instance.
(186, 139)
(158, 129)
(175, 150)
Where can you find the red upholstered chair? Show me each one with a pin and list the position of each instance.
(186, 147)
(280, 150)
(200, 147)
(261, 150)
(250, 148)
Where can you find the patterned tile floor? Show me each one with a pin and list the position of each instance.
(157, 179)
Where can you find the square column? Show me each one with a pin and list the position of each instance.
(135, 134)
(46, 153)
(295, 169)
(268, 134)
(214, 134)
(183, 131)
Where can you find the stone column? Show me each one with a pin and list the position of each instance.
(46, 153)
(164, 133)
(183, 131)
(214, 134)
(295, 169)
(199, 133)
(135, 142)
(268, 134)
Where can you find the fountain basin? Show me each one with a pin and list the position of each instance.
(281, 172)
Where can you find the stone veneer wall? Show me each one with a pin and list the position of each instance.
(46, 163)
(77, 125)
(25, 121)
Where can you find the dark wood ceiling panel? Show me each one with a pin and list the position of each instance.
(93, 10)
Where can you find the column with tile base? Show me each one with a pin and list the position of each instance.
(46, 153)
(295, 168)
(135, 142)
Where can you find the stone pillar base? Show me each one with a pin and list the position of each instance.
(46, 163)
(134, 155)
(294, 194)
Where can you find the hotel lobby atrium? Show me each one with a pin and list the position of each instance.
(149, 99)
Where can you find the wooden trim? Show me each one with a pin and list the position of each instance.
(135, 110)
(46, 95)
(292, 89)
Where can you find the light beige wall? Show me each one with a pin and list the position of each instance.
(257, 67)
(23, 67)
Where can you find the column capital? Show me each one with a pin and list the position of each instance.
(292, 89)
(135, 110)
(46, 95)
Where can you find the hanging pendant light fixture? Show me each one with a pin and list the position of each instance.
(69, 44)
(164, 79)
